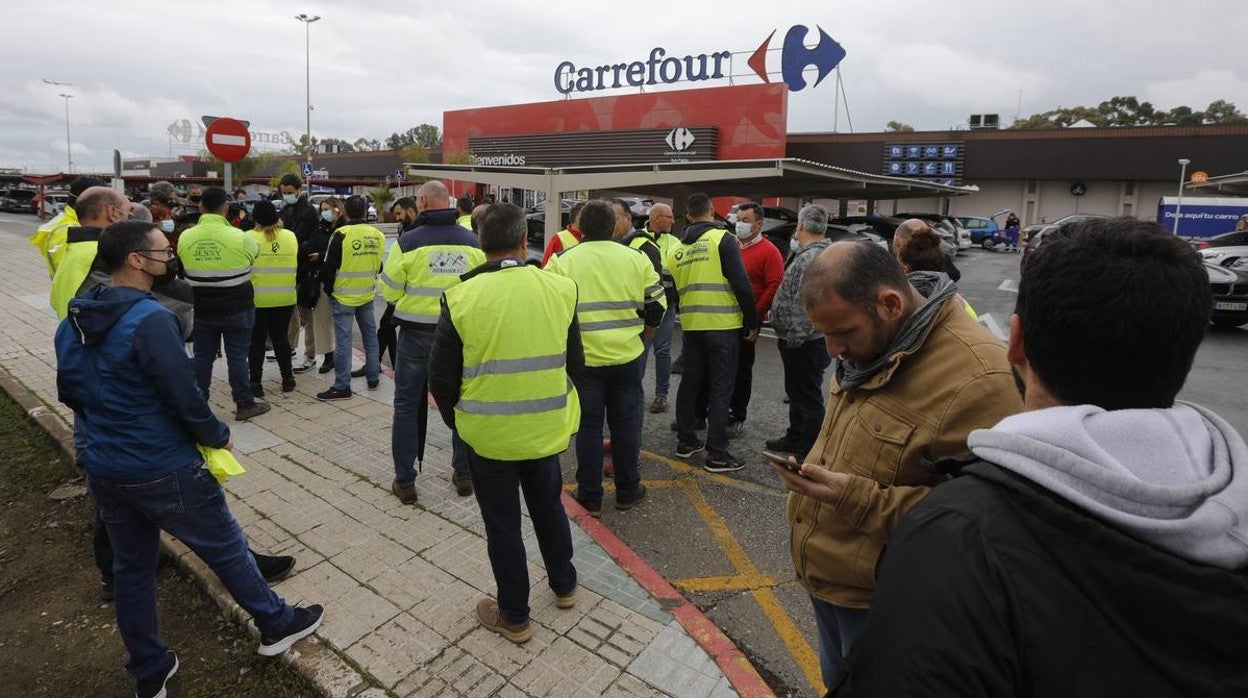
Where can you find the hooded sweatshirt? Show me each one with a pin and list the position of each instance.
(1094, 554)
(122, 367)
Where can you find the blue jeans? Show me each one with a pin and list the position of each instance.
(839, 628)
(614, 392)
(190, 505)
(497, 485)
(411, 386)
(206, 336)
(710, 357)
(661, 343)
(367, 321)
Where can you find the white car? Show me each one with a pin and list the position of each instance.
(54, 204)
(1226, 256)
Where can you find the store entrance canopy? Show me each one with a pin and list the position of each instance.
(746, 178)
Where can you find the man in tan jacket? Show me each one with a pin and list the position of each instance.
(915, 376)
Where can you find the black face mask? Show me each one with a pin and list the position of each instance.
(194, 199)
(172, 267)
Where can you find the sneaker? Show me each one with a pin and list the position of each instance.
(405, 493)
(255, 409)
(107, 590)
(658, 404)
(334, 394)
(567, 600)
(686, 450)
(155, 687)
(303, 623)
(593, 506)
(274, 568)
(735, 429)
(374, 385)
(257, 390)
(358, 373)
(308, 364)
(626, 503)
(463, 484)
(492, 619)
(783, 444)
(726, 463)
(327, 365)
(288, 385)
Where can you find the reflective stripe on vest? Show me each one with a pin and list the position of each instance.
(355, 282)
(516, 401)
(614, 283)
(706, 299)
(273, 272)
(216, 254)
(415, 280)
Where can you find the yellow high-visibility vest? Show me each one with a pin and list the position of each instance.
(356, 280)
(706, 300)
(273, 271)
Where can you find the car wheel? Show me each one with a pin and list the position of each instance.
(1229, 321)
(987, 243)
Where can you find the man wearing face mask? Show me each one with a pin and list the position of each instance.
(299, 217)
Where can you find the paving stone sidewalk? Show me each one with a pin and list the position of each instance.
(399, 583)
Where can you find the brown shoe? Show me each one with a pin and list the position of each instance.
(492, 619)
(463, 484)
(405, 493)
(568, 600)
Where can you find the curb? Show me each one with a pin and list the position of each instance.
(736, 667)
(311, 657)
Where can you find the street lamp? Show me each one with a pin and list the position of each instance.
(69, 153)
(1178, 206)
(307, 40)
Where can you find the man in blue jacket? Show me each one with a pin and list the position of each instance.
(122, 368)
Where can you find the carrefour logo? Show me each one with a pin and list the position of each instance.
(659, 67)
(680, 139)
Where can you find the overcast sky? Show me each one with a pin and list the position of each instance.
(385, 65)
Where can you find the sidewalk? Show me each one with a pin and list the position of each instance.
(399, 583)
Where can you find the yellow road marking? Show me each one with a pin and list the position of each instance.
(733, 582)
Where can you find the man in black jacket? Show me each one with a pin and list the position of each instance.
(1099, 548)
(300, 217)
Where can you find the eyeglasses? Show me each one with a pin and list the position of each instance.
(169, 251)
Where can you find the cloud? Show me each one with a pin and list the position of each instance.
(1198, 90)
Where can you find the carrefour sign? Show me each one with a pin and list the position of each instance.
(661, 68)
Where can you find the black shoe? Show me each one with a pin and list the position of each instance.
(107, 590)
(255, 409)
(726, 463)
(593, 506)
(686, 450)
(626, 503)
(327, 365)
(374, 385)
(358, 373)
(274, 568)
(308, 364)
(784, 444)
(163, 561)
(463, 484)
(288, 385)
(303, 623)
(257, 390)
(155, 687)
(334, 394)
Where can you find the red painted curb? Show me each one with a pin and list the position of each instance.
(740, 672)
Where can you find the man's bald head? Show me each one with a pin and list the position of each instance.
(476, 213)
(432, 195)
(661, 219)
(855, 271)
(908, 227)
(97, 207)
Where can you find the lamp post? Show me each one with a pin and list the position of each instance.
(1178, 206)
(307, 40)
(69, 153)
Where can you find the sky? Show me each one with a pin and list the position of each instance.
(386, 65)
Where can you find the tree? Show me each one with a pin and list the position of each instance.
(459, 157)
(363, 144)
(899, 127)
(287, 167)
(414, 153)
(426, 135)
(1223, 112)
(341, 145)
(1129, 111)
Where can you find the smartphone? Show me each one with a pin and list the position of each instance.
(792, 465)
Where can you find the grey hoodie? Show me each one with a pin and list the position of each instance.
(1175, 478)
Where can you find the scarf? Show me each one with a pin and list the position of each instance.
(937, 288)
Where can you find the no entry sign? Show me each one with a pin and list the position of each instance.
(228, 139)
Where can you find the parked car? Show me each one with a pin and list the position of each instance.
(982, 227)
(17, 200)
(948, 227)
(884, 226)
(1032, 236)
(54, 203)
(1225, 255)
(772, 216)
(1230, 294)
(1235, 237)
(781, 234)
(535, 219)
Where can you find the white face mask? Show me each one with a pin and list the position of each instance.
(744, 230)
(794, 245)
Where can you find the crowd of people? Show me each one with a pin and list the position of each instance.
(968, 517)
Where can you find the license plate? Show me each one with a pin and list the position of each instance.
(1227, 305)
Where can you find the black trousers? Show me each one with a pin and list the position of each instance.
(804, 366)
(710, 368)
(272, 324)
(738, 406)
